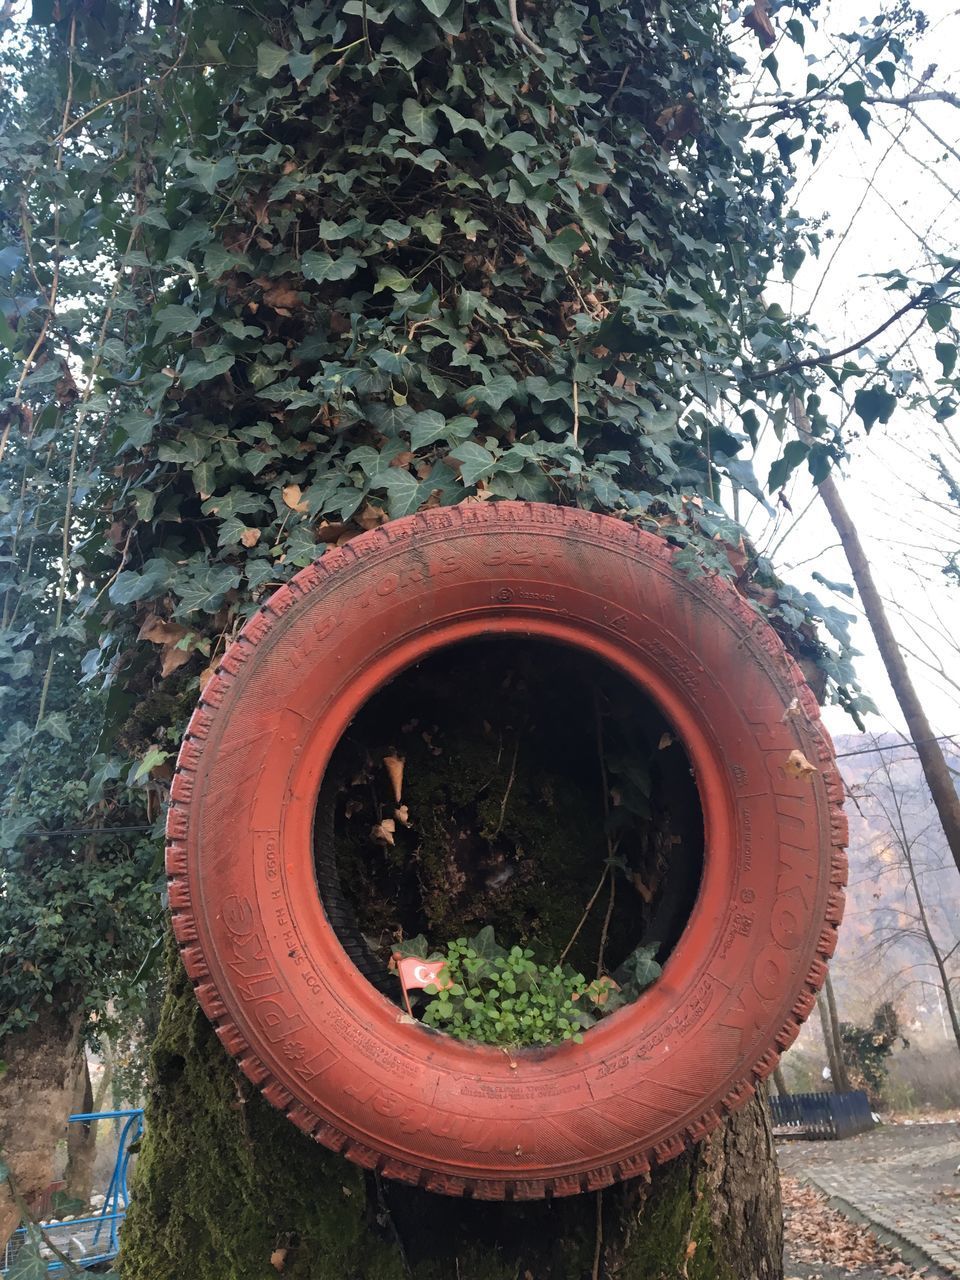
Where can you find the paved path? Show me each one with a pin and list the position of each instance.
(901, 1178)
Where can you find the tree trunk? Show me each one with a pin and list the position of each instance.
(225, 1183)
(82, 1136)
(36, 1092)
(836, 1071)
(780, 1081)
(843, 1080)
(928, 749)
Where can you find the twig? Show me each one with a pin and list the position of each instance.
(51, 300)
(606, 919)
(576, 411)
(623, 80)
(586, 912)
(611, 844)
(510, 781)
(519, 32)
(598, 1248)
(926, 295)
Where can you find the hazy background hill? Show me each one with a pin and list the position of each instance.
(883, 953)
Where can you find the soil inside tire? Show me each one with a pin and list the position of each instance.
(507, 749)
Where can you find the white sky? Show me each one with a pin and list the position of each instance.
(888, 204)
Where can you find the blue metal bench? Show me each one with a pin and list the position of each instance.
(821, 1115)
(97, 1234)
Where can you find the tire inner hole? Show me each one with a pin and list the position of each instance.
(531, 772)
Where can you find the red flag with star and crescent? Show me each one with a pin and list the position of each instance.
(414, 971)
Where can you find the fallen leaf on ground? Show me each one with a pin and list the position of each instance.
(817, 1235)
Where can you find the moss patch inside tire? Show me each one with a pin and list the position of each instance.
(254, 916)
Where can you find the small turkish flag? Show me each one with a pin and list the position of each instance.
(414, 971)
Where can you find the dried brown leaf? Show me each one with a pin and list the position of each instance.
(394, 767)
(797, 765)
(384, 831)
(758, 20)
(293, 498)
(174, 658)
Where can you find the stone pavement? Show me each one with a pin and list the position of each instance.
(900, 1178)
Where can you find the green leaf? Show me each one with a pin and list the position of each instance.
(394, 230)
(436, 7)
(843, 587)
(853, 93)
(519, 140)
(198, 371)
(301, 65)
(460, 123)
(562, 249)
(938, 316)
(874, 404)
(475, 461)
(175, 319)
(947, 355)
(390, 278)
(494, 394)
(205, 589)
(420, 120)
(428, 427)
(793, 454)
(270, 58)
(150, 761)
(792, 262)
(137, 427)
(321, 266)
(29, 1264)
(403, 492)
(57, 726)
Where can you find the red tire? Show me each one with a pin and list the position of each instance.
(328, 1049)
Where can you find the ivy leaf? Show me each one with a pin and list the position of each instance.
(321, 266)
(562, 249)
(270, 58)
(459, 123)
(16, 737)
(137, 427)
(843, 587)
(57, 726)
(301, 65)
(419, 120)
(436, 7)
(428, 427)
(175, 319)
(874, 404)
(205, 588)
(475, 461)
(494, 394)
(403, 492)
(150, 761)
(390, 278)
(198, 371)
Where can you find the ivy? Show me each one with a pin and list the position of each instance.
(273, 277)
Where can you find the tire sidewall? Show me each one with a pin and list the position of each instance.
(337, 1055)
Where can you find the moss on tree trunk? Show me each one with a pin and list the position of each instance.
(225, 1183)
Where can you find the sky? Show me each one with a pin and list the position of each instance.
(890, 202)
